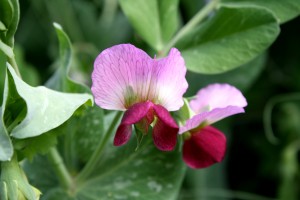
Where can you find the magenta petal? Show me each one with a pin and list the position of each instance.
(210, 117)
(204, 148)
(165, 130)
(134, 114)
(171, 84)
(217, 96)
(121, 75)
(124, 75)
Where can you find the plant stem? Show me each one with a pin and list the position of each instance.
(13, 63)
(60, 168)
(95, 158)
(201, 15)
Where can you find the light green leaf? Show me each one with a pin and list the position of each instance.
(155, 21)
(284, 10)
(6, 13)
(2, 26)
(229, 39)
(60, 80)
(44, 109)
(6, 148)
(10, 17)
(123, 174)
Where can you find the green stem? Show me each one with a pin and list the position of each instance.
(13, 63)
(267, 115)
(60, 168)
(200, 16)
(95, 158)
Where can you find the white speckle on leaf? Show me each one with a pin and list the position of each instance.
(135, 193)
(153, 185)
(120, 183)
(133, 175)
(169, 165)
(138, 163)
(120, 197)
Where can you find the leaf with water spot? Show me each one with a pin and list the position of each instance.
(123, 173)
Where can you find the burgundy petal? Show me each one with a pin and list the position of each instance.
(204, 148)
(165, 130)
(133, 115)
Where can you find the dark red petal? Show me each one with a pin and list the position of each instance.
(165, 130)
(134, 114)
(204, 148)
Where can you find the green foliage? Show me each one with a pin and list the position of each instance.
(42, 107)
(124, 173)
(284, 10)
(232, 37)
(156, 21)
(6, 148)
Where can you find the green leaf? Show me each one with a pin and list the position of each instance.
(10, 17)
(2, 26)
(232, 37)
(234, 77)
(60, 80)
(122, 174)
(44, 109)
(155, 21)
(284, 10)
(6, 148)
(6, 12)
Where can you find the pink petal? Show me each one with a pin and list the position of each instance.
(124, 75)
(217, 96)
(165, 130)
(133, 115)
(171, 83)
(210, 117)
(204, 148)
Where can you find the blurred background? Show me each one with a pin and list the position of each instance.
(263, 157)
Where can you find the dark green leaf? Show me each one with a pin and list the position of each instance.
(234, 77)
(283, 9)
(232, 37)
(156, 21)
(124, 174)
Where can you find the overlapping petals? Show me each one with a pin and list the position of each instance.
(125, 75)
(165, 129)
(214, 103)
(204, 148)
(206, 145)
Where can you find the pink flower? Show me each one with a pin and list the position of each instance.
(204, 145)
(126, 78)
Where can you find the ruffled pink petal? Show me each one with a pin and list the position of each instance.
(121, 76)
(170, 80)
(165, 130)
(124, 75)
(210, 117)
(217, 96)
(204, 148)
(133, 115)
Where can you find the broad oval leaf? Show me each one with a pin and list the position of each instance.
(6, 147)
(155, 21)
(232, 37)
(284, 10)
(45, 109)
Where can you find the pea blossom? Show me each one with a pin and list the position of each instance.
(205, 145)
(125, 78)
